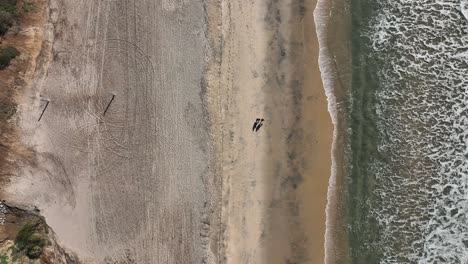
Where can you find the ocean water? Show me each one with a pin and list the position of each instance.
(408, 176)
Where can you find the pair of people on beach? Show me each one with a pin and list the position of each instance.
(258, 124)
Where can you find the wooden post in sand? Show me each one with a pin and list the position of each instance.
(112, 99)
(47, 104)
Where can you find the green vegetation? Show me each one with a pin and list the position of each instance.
(8, 13)
(6, 21)
(29, 241)
(8, 6)
(6, 55)
(3, 259)
(7, 111)
(28, 7)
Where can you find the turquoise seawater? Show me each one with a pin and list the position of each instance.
(408, 175)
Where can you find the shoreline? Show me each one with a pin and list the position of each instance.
(334, 71)
(318, 138)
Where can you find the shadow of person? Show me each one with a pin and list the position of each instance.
(255, 124)
(259, 125)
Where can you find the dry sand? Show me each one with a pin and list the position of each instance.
(275, 180)
(136, 185)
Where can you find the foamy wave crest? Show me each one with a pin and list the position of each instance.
(422, 111)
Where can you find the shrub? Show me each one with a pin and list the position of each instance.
(28, 7)
(7, 14)
(23, 236)
(7, 110)
(6, 55)
(34, 252)
(29, 241)
(6, 21)
(8, 6)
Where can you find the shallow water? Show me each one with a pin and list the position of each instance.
(408, 182)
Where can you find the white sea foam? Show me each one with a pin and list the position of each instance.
(422, 106)
(464, 8)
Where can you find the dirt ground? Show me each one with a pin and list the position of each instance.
(172, 173)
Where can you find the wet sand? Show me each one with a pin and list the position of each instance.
(333, 27)
(317, 146)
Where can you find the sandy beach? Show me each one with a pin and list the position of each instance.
(146, 152)
(275, 180)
